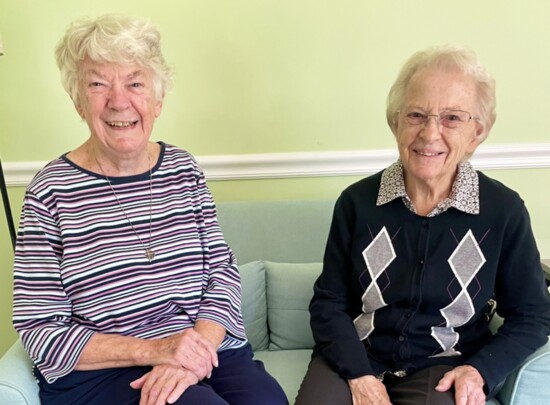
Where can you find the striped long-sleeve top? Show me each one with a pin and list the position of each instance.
(80, 268)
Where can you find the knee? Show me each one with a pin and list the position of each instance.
(266, 392)
(200, 394)
(321, 385)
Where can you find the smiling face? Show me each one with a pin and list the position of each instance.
(429, 152)
(118, 104)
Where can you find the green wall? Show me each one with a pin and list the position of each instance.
(259, 76)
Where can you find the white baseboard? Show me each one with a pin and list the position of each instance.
(322, 164)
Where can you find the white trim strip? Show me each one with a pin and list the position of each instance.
(322, 164)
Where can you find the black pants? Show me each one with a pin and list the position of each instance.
(238, 380)
(322, 386)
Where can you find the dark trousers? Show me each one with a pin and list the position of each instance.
(322, 386)
(238, 380)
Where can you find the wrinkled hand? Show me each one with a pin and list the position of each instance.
(163, 384)
(468, 385)
(368, 390)
(188, 349)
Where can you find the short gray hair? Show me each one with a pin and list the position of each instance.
(112, 38)
(445, 58)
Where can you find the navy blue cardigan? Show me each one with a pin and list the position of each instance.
(428, 304)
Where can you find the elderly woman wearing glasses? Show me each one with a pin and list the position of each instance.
(418, 252)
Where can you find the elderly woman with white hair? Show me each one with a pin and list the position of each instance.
(125, 291)
(417, 253)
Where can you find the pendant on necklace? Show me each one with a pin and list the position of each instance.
(149, 254)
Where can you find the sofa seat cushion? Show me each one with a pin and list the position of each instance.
(288, 367)
(289, 291)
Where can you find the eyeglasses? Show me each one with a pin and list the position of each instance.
(451, 119)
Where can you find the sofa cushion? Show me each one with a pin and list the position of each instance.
(280, 231)
(288, 367)
(289, 290)
(253, 304)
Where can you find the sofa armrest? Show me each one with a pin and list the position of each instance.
(17, 383)
(529, 383)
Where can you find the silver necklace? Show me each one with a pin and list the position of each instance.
(149, 252)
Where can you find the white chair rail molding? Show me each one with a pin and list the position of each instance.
(322, 164)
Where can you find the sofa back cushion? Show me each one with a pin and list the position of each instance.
(254, 305)
(279, 231)
(289, 291)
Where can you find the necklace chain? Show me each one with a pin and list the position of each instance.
(149, 252)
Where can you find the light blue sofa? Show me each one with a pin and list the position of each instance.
(280, 247)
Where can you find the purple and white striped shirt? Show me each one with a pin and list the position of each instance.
(80, 268)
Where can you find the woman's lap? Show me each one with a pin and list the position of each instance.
(245, 381)
(323, 386)
(239, 380)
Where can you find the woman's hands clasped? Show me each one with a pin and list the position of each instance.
(181, 360)
(164, 384)
(190, 350)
